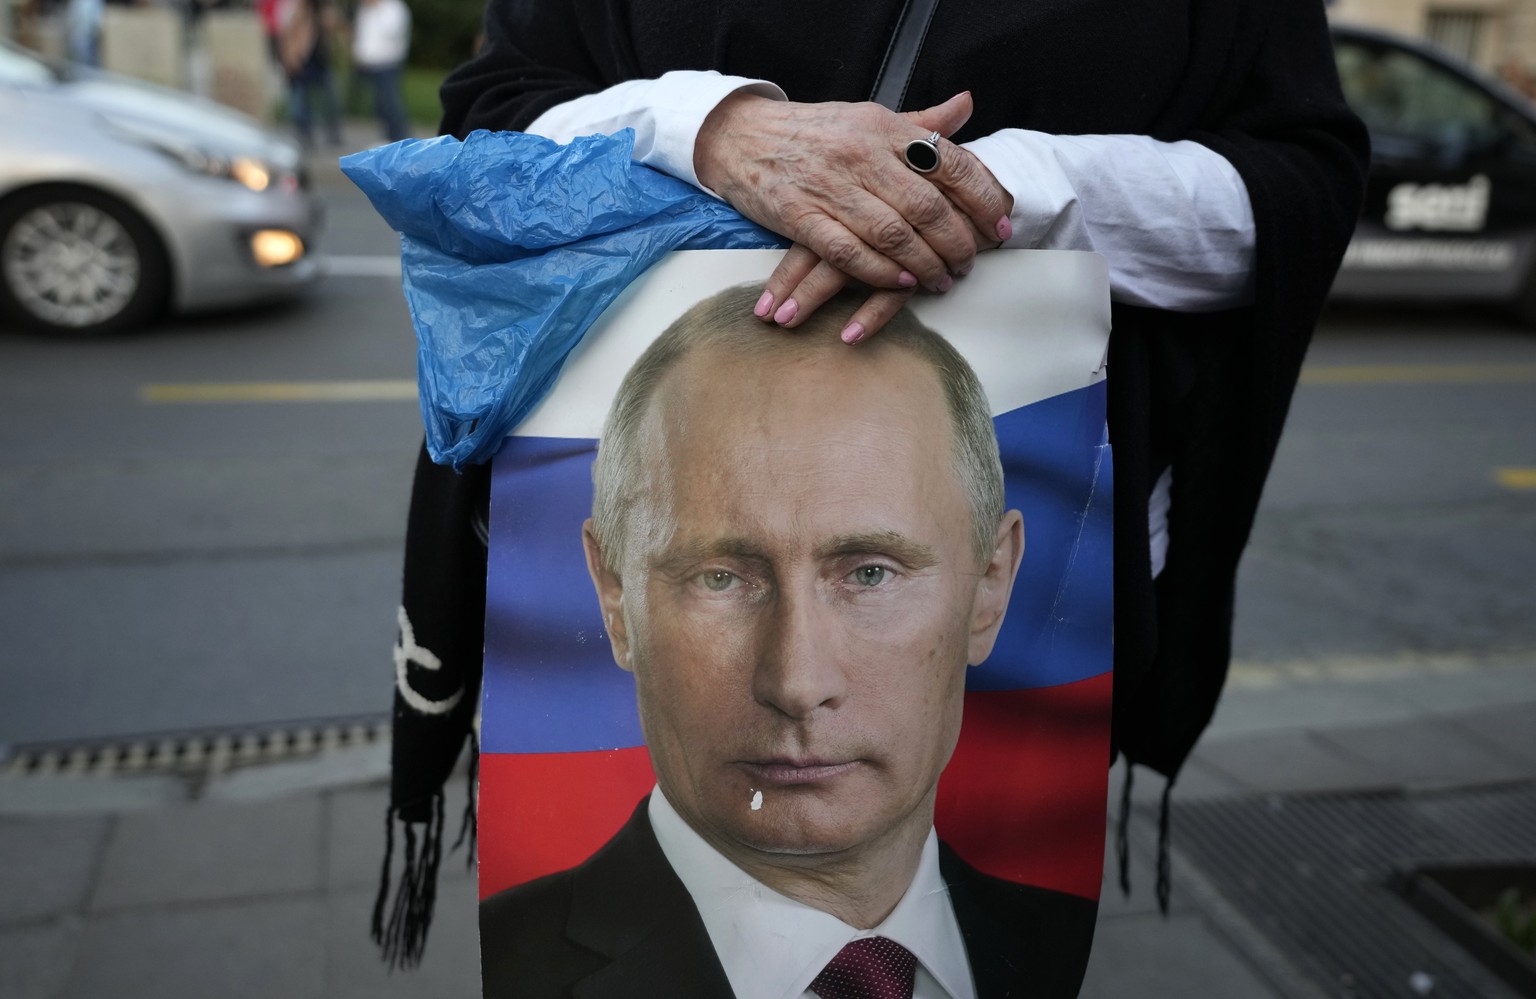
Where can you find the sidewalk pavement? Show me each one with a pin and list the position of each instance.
(1419, 723)
(263, 885)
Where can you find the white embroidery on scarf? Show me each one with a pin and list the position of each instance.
(407, 652)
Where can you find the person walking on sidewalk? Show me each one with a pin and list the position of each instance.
(304, 49)
(381, 37)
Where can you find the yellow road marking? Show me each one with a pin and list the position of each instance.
(392, 390)
(1516, 478)
(1417, 374)
(381, 390)
(1258, 674)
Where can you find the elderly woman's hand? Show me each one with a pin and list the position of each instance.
(832, 178)
(803, 281)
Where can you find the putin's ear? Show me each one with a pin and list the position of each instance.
(995, 587)
(610, 596)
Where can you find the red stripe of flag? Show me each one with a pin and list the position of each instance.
(544, 812)
(1022, 798)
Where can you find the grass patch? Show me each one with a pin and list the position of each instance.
(418, 86)
(420, 89)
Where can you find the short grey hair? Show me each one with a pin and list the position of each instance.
(725, 320)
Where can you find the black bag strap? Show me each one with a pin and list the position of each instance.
(906, 42)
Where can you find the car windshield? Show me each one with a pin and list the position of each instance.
(1402, 94)
(18, 68)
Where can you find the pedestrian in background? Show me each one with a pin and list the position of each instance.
(381, 37)
(271, 14)
(304, 49)
(83, 21)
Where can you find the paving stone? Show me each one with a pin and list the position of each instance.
(1428, 751)
(1198, 781)
(354, 836)
(87, 794)
(34, 960)
(1464, 690)
(1289, 761)
(46, 865)
(1147, 955)
(206, 852)
(1511, 729)
(450, 968)
(1307, 705)
(244, 950)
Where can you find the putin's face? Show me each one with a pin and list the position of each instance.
(800, 598)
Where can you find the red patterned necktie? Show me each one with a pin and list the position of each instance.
(868, 968)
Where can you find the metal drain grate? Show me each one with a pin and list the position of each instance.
(1318, 874)
(196, 751)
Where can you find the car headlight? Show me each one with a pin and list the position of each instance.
(251, 172)
(248, 171)
(276, 247)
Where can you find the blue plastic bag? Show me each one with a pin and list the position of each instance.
(511, 246)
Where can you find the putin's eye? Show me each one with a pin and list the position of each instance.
(869, 575)
(717, 580)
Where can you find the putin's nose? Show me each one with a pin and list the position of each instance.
(798, 668)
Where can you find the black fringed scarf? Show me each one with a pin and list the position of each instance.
(437, 693)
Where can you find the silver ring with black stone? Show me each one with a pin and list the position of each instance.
(922, 155)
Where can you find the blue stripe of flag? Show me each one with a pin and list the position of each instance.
(550, 681)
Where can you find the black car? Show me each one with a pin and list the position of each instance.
(1450, 208)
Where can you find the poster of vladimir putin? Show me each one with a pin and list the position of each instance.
(730, 744)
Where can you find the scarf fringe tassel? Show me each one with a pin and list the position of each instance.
(402, 937)
(1123, 842)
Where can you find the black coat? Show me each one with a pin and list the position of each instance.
(1253, 80)
(622, 925)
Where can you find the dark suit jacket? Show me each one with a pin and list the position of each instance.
(622, 926)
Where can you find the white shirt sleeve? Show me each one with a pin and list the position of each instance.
(666, 114)
(1172, 218)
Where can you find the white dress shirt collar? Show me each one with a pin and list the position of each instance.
(772, 946)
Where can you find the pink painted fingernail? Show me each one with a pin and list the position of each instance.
(907, 279)
(764, 305)
(946, 284)
(853, 333)
(786, 312)
(1004, 229)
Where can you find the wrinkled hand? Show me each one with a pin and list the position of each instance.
(831, 177)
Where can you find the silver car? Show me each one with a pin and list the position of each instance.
(119, 200)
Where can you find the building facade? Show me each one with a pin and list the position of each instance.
(1496, 36)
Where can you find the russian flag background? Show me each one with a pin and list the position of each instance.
(1023, 798)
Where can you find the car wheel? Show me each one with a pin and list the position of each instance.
(76, 261)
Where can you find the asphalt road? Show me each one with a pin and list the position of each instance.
(167, 565)
(1399, 523)
(184, 545)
